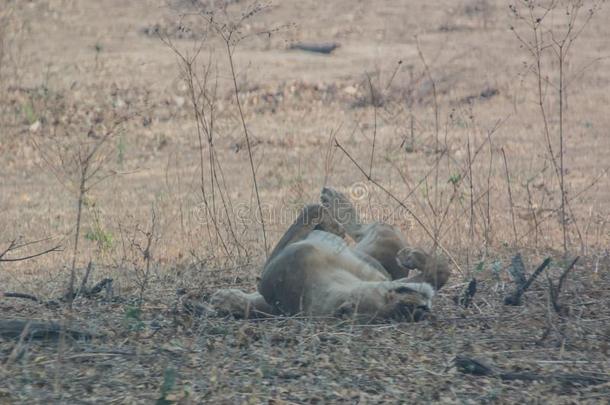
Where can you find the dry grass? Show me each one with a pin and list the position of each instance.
(71, 70)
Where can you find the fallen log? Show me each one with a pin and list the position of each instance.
(324, 48)
(478, 367)
(44, 330)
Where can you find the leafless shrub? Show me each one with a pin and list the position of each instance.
(544, 40)
(202, 80)
(142, 243)
(79, 163)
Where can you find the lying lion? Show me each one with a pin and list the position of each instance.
(312, 270)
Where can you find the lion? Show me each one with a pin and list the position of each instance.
(314, 272)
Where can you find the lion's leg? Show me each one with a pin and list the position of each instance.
(312, 217)
(343, 211)
(383, 242)
(240, 304)
(377, 240)
(434, 268)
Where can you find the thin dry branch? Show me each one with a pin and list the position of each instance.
(477, 367)
(19, 295)
(515, 297)
(555, 290)
(407, 209)
(248, 144)
(15, 328)
(510, 196)
(13, 245)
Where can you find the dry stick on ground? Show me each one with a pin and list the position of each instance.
(19, 295)
(14, 328)
(324, 48)
(105, 283)
(409, 211)
(554, 291)
(477, 367)
(515, 297)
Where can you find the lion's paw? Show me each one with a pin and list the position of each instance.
(230, 302)
(410, 301)
(411, 258)
(341, 210)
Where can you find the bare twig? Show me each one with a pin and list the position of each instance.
(515, 298)
(555, 290)
(469, 365)
(247, 136)
(374, 103)
(18, 259)
(510, 196)
(83, 284)
(407, 209)
(557, 41)
(19, 295)
(13, 328)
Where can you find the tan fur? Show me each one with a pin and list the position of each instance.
(313, 271)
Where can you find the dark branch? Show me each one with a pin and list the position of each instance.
(18, 259)
(515, 298)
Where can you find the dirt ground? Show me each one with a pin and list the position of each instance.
(428, 114)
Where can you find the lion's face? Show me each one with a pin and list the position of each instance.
(397, 300)
(408, 302)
